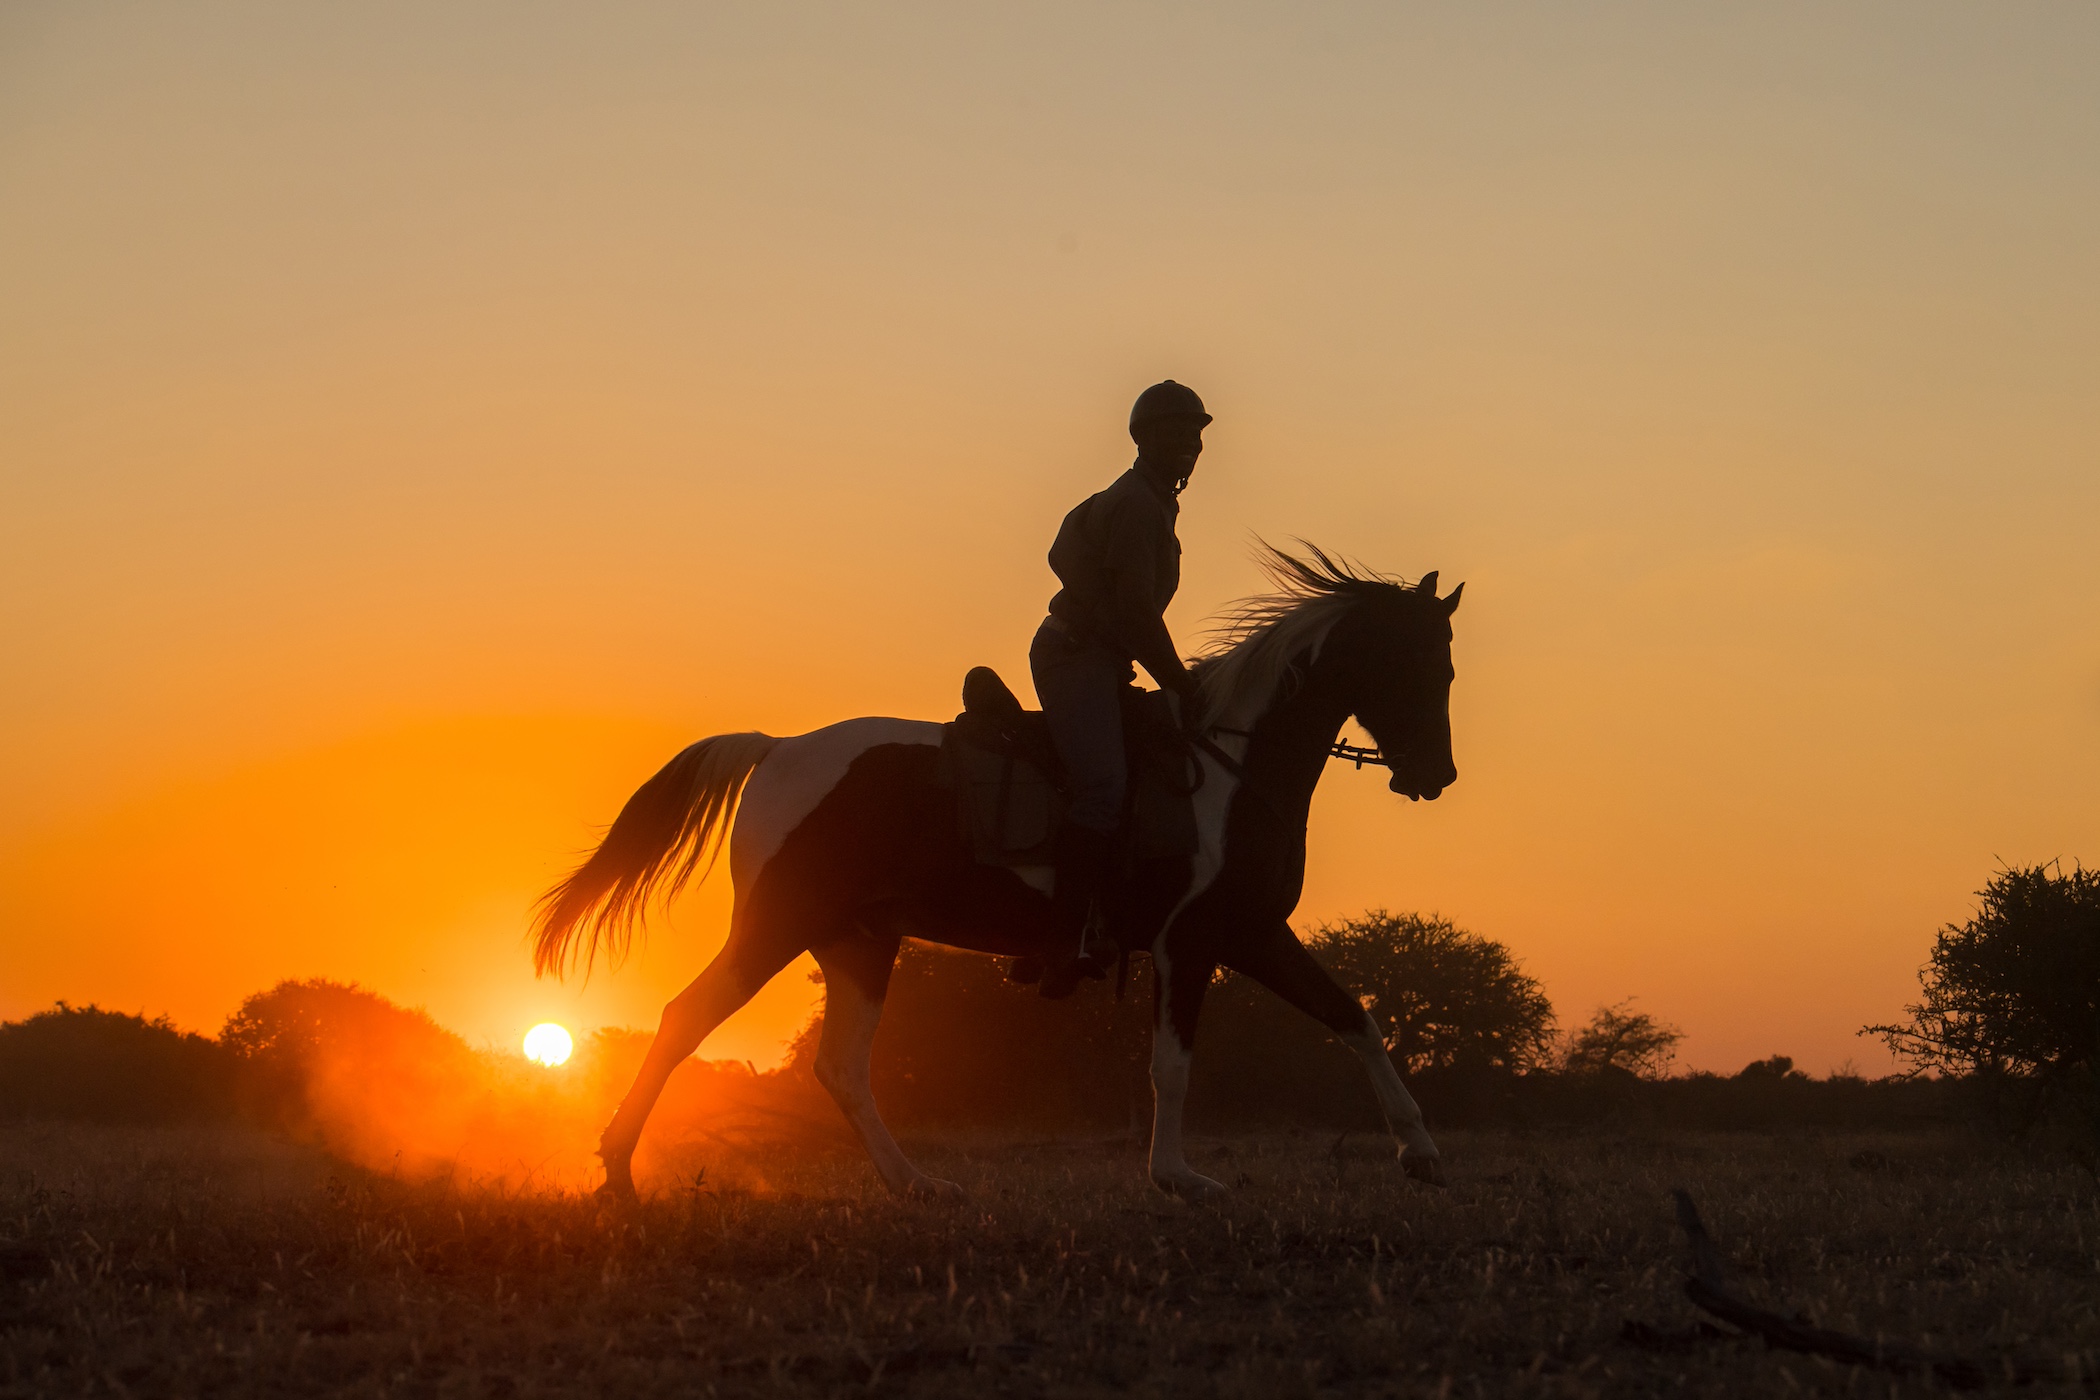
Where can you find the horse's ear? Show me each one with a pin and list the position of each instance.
(1428, 584)
(1451, 603)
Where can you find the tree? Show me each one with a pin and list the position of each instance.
(1441, 996)
(2015, 989)
(82, 1062)
(326, 1050)
(1620, 1038)
(1774, 1068)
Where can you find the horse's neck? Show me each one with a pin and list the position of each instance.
(1290, 741)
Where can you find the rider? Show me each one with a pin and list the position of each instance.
(1119, 561)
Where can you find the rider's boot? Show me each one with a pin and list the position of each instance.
(1082, 948)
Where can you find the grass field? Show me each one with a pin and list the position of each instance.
(173, 1262)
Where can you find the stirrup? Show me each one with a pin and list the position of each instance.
(1061, 979)
(1097, 954)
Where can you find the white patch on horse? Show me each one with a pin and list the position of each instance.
(1402, 1114)
(844, 1053)
(1040, 878)
(1171, 1059)
(1213, 803)
(798, 774)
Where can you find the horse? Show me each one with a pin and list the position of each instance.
(844, 841)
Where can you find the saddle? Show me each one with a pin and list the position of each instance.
(1010, 788)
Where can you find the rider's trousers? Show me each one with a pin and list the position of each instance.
(1080, 685)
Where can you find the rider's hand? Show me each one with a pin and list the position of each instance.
(1190, 698)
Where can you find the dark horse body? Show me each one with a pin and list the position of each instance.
(845, 842)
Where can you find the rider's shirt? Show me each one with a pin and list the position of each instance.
(1120, 563)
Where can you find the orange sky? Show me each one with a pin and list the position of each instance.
(418, 421)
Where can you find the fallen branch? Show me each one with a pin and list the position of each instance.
(1707, 1287)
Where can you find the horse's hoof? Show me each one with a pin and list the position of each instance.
(1190, 1186)
(619, 1184)
(932, 1188)
(1427, 1170)
(614, 1204)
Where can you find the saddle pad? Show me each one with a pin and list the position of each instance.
(1161, 819)
(1008, 809)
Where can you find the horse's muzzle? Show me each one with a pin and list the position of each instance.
(1428, 792)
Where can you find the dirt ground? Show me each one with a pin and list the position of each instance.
(173, 1263)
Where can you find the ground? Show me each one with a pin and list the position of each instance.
(219, 1262)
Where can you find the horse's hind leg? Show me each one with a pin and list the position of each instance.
(856, 968)
(1280, 963)
(732, 979)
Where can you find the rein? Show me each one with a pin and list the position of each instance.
(1359, 754)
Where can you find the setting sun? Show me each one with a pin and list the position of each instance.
(548, 1044)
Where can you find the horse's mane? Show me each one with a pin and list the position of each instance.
(1256, 643)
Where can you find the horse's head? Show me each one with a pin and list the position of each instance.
(1393, 658)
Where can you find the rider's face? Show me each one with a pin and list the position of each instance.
(1174, 444)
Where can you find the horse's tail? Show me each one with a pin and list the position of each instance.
(674, 821)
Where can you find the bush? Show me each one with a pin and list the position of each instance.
(105, 1066)
(2016, 989)
(1456, 1012)
(2012, 999)
(321, 1050)
(1443, 998)
(1620, 1040)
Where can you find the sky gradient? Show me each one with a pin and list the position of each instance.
(419, 421)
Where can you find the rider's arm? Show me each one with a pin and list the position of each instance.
(1137, 595)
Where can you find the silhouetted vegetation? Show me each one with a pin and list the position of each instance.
(81, 1062)
(960, 1047)
(2012, 998)
(302, 1040)
(2015, 989)
(1618, 1038)
(1456, 1011)
(1442, 997)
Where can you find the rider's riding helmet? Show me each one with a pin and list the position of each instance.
(1167, 399)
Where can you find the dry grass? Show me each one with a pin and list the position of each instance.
(174, 1263)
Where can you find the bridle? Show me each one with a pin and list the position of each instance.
(1201, 740)
(1358, 754)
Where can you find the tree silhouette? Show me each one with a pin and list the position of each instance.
(2015, 989)
(1441, 996)
(337, 1039)
(86, 1063)
(1620, 1038)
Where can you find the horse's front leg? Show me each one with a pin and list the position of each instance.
(1179, 981)
(1279, 962)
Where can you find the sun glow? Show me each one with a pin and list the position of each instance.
(548, 1044)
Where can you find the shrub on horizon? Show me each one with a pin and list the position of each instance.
(317, 1045)
(1442, 997)
(1620, 1040)
(2016, 988)
(84, 1063)
(2012, 999)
